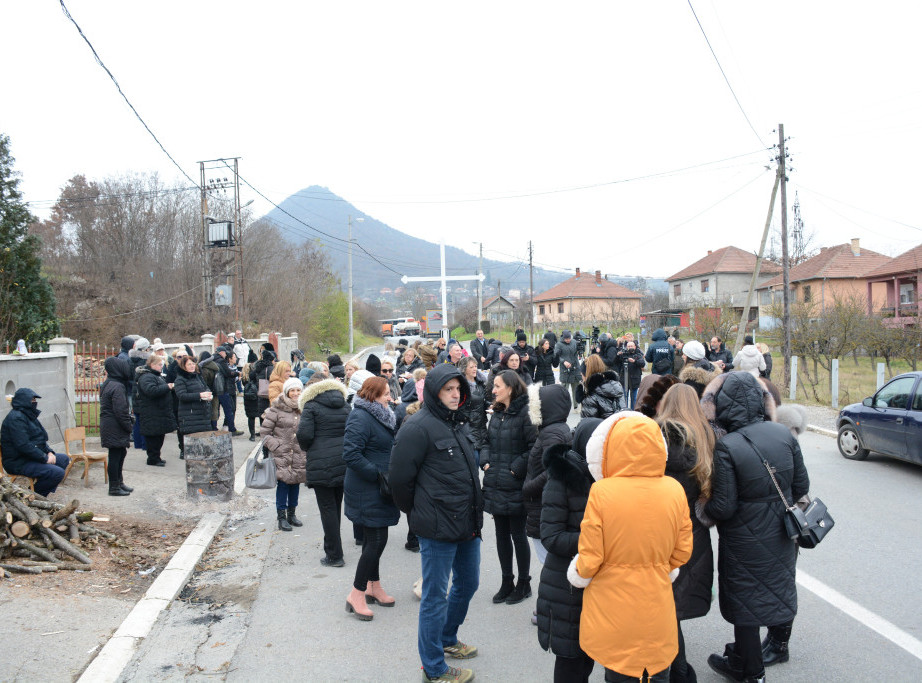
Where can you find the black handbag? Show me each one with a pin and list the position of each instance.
(807, 526)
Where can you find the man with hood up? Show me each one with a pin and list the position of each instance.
(25, 446)
(434, 479)
(660, 354)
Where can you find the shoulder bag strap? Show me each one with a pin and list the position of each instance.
(768, 468)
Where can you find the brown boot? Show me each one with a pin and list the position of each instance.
(355, 604)
(375, 594)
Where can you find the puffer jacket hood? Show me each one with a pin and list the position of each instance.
(736, 399)
(408, 395)
(549, 404)
(627, 444)
(750, 360)
(22, 399)
(698, 377)
(434, 382)
(312, 391)
(118, 369)
(659, 334)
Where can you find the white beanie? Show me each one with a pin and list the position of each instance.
(694, 349)
(358, 379)
(291, 383)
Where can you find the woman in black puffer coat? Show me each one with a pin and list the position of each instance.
(324, 412)
(544, 369)
(689, 460)
(155, 403)
(601, 394)
(115, 421)
(504, 458)
(563, 504)
(476, 406)
(194, 398)
(756, 559)
(262, 369)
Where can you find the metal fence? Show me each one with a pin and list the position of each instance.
(89, 374)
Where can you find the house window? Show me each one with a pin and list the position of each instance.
(808, 294)
(560, 306)
(705, 286)
(540, 309)
(677, 290)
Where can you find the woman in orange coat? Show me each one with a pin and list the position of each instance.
(635, 534)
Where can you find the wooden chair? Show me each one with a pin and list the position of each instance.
(14, 477)
(84, 456)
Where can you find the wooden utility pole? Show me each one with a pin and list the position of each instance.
(531, 295)
(480, 289)
(785, 261)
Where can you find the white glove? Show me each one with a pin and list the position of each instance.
(573, 576)
(674, 574)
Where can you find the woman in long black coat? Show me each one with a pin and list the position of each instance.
(504, 460)
(563, 504)
(689, 460)
(544, 368)
(367, 445)
(155, 404)
(475, 408)
(756, 559)
(194, 396)
(115, 422)
(324, 412)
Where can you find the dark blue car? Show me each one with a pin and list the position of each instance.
(889, 422)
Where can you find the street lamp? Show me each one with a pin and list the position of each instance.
(351, 340)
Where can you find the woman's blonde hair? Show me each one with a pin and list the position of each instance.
(680, 412)
(419, 373)
(409, 350)
(281, 371)
(594, 366)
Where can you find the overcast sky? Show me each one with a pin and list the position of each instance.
(603, 131)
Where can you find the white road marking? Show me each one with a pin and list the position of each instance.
(865, 616)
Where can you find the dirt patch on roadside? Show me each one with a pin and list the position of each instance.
(123, 569)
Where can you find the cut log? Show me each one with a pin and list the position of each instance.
(84, 516)
(68, 509)
(72, 530)
(209, 458)
(23, 511)
(65, 546)
(19, 569)
(45, 505)
(20, 529)
(39, 552)
(69, 566)
(86, 528)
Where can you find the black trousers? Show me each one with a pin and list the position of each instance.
(749, 648)
(573, 669)
(154, 445)
(615, 677)
(368, 567)
(330, 504)
(510, 531)
(251, 423)
(116, 461)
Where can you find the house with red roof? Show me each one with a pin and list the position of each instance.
(837, 272)
(585, 300)
(900, 277)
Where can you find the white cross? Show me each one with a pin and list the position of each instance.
(443, 279)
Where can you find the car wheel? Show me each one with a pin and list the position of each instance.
(850, 444)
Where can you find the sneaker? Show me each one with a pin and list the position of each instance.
(454, 675)
(460, 651)
(237, 433)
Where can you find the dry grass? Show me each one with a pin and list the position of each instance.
(856, 382)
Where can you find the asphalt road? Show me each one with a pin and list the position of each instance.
(272, 612)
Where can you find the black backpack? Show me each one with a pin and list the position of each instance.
(663, 366)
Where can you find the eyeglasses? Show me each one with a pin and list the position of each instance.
(388, 372)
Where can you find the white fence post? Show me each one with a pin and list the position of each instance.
(834, 383)
(880, 375)
(793, 388)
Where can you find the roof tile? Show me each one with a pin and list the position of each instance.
(726, 260)
(834, 262)
(585, 286)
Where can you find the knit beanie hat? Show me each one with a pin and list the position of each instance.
(291, 383)
(694, 349)
(521, 336)
(373, 364)
(141, 344)
(358, 379)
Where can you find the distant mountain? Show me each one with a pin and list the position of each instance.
(394, 250)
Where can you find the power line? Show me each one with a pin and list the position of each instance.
(119, 88)
(858, 208)
(722, 73)
(138, 310)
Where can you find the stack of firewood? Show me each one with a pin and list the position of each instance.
(38, 535)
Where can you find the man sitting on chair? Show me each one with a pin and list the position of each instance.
(25, 448)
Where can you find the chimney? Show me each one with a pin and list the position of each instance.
(577, 272)
(710, 252)
(856, 246)
(598, 277)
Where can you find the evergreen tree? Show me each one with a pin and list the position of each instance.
(27, 303)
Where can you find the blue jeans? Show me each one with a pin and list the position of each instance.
(440, 616)
(230, 408)
(47, 477)
(286, 495)
(633, 393)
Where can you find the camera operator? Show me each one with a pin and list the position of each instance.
(631, 360)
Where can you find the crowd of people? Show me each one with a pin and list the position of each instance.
(617, 511)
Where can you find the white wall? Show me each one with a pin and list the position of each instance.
(47, 375)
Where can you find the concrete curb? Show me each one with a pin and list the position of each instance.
(360, 353)
(823, 431)
(108, 665)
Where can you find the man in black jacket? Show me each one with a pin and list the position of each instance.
(228, 399)
(526, 353)
(480, 351)
(631, 357)
(719, 355)
(25, 446)
(660, 355)
(433, 478)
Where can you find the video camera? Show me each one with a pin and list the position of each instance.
(580, 343)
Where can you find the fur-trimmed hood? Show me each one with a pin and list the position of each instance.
(598, 379)
(548, 404)
(568, 466)
(626, 444)
(312, 391)
(735, 399)
(655, 393)
(698, 378)
(794, 417)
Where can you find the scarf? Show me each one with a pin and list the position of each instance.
(382, 414)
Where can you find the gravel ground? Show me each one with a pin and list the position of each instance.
(821, 416)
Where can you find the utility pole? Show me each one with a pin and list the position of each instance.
(785, 264)
(531, 294)
(480, 289)
(351, 340)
